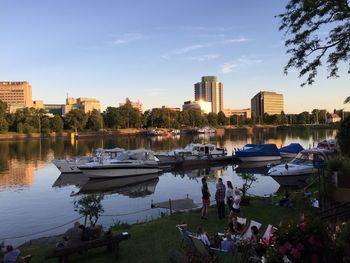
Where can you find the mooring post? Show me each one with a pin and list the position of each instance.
(170, 206)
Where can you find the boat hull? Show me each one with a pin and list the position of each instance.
(288, 155)
(291, 180)
(67, 167)
(259, 158)
(110, 171)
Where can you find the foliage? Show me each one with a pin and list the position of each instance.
(213, 119)
(4, 126)
(305, 21)
(343, 136)
(94, 120)
(3, 107)
(90, 207)
(222, 119)
(342, 243)
(76, 119)
(306, 241)
(57, 124)
(249, 179)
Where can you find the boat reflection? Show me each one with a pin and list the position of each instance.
(77, 179)
(211, 172)
(133, 186)
(255, 167)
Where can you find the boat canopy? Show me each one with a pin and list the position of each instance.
(259, 150)
(292, 148)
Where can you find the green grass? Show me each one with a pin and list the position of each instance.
(151, 242)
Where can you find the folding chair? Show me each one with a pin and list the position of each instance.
(185, 239)
(200, 247)
(248, 233)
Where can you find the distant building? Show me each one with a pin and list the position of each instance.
(17, 94)
(267, 102)
(246, 113)
(85, 104)
(135, 104)
(197, 105)
(167, 108)
(54, 108)
(210, 90)
(333, 117)
(38, 104)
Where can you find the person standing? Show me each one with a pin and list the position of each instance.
(236, 205)
(220, 198)
(205, 198)
(229, 195)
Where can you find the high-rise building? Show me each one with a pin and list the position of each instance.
(17, 94)
(246, 113)
(267, 102)
(197, 105)
(210, 90)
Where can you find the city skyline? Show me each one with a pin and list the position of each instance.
(115, 50)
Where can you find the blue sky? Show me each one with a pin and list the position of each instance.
(154, 51)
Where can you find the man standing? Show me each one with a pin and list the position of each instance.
(220, 198)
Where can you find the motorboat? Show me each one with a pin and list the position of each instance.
(291, 150)
(71, 166)
(128, 163)
(192, 152)
(255, 167)
(329, 145)
(259, 153)
(299, 169)
(206, 130)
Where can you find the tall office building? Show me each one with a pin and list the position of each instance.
(267, 102)
(210, 90)
(17, 94)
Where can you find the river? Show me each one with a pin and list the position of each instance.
(35, 197)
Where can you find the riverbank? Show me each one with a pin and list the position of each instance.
(134, 131)
(161, 236)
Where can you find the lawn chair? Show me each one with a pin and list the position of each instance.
(200, 247)
(248, 233)
(185, 239)
(268, 234)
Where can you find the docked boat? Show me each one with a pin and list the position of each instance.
(193, 152)
(128, 163)
(259, 153)
(71, 166)
(206, 130)
(329, 145)
(299, 169)
(291, 150)
(255, 167)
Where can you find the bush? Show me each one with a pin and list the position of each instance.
(343, 136)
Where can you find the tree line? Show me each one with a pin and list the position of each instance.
(31, 120)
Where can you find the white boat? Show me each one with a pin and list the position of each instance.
(193, 151)
(71, 166)
(259, 153)
(206, 130)
(128, 163)
(329, 145)
(299, 169)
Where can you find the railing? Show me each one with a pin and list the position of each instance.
(339, 212)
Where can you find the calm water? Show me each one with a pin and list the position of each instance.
(35, 197)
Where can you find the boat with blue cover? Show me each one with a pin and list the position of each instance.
(291, 150)
(259, 153)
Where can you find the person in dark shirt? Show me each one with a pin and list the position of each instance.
(205, 198)
(220, 198)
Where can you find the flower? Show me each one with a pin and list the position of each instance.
(295, 253)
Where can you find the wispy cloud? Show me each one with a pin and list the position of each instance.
(127, 38)
(231, 66)
(206, 28)
(156, 92)
(202, 58)
(187, 49)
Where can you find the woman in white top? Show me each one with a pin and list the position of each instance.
(236, 209)
(229, 195)
(203, 236)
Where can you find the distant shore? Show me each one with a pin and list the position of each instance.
(134, 131)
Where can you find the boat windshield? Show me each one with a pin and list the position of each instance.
(306, 158)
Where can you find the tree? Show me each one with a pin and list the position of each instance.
(4, 126)
(57, 123)
(3, 108)
(306, 21)
(222, 119)
(90, 207)
(94, 120)
(343, 136)
(212, 119)
(76, 119)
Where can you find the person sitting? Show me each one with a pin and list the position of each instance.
(255, 238)
(235, 228)
(74, 235)
(227, 244)
(11, 254)
(184, 228)
(203, 236)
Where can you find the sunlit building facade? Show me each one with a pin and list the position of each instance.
(267, 102)
(210, 90)
(17, 94)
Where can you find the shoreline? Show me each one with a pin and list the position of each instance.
(219, 130)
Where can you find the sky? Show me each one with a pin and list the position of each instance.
(154, 51)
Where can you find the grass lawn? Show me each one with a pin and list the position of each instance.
(151, 242)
